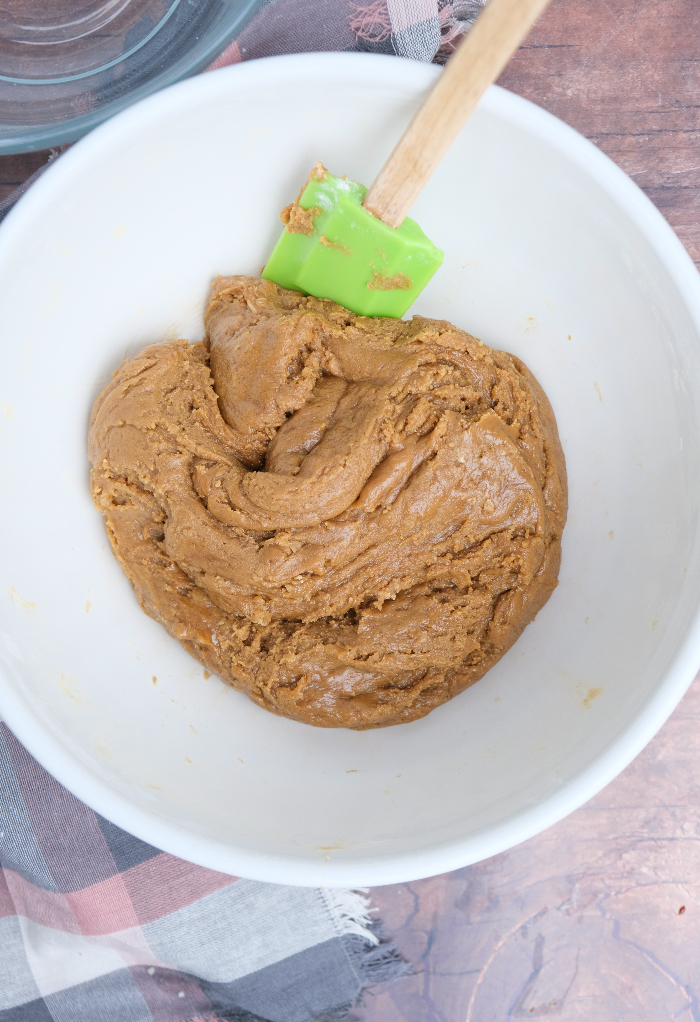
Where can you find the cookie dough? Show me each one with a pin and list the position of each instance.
(349, 519)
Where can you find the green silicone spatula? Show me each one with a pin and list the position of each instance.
(357, 246)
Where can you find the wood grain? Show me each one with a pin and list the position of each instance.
(626, 73)
(17, 168)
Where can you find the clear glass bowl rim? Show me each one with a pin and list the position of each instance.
(48, 136)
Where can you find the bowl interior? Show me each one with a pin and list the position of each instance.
(550, 253)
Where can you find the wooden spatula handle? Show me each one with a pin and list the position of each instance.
(475, 64)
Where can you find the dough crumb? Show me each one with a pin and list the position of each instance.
(399, 282)
(298, 220)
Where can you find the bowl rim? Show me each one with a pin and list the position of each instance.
(431, 859)
(27, 139)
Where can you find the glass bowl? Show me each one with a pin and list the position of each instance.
(67, 65)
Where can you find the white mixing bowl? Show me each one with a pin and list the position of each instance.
(551, 253)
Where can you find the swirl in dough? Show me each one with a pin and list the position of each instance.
(350, 519)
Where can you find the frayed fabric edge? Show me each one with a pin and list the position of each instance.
(350, 911)
(376, 963)
(379, 962)
(372, 958)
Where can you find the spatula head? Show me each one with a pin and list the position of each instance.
(331, 247)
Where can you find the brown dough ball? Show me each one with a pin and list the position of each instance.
(350, 519)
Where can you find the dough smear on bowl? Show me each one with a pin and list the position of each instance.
(349, 519)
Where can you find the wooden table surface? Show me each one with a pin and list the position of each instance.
(597, 919)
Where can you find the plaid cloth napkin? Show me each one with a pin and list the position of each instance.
(96, 925)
